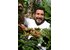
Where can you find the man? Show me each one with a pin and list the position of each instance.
(38, 20)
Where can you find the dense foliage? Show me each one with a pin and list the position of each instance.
(42, 37)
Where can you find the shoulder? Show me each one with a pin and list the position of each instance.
(28, 19)
(46, 25)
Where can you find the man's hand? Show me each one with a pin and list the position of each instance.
(22, 26)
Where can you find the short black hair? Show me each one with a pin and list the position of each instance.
(39, 8)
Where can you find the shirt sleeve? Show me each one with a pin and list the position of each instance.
(26, 22)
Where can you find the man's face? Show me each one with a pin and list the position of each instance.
(39, 16)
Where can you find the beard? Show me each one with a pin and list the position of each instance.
(39, 21)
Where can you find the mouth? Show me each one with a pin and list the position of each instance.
(39, 18)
